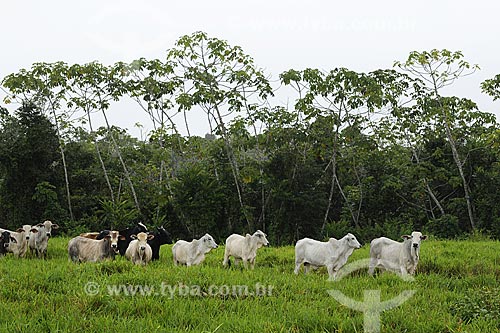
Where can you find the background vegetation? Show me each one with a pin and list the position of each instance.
(384, 152)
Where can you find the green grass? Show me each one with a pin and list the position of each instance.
(457, 290)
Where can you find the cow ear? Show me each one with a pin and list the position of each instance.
(423, 237)
(406, 236)
(13, 240)
(133, 236)
(39, 225)
(151, 237)
(121, 237)
(34, 230)
(55, 226)
(20, 230)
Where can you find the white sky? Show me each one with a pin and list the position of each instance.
(361, 35)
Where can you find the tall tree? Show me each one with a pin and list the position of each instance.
(45, 86)
(438, 69)
(221, 80)
(93, 87)
(28, 156)
(345, 99)
(152, 84)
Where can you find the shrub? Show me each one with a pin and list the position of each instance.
(445, 226)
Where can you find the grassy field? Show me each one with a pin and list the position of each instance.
(456, 290)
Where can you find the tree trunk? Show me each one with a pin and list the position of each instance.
(426, 183)
(234, 167)
(122, 162)
(96, 144)
(65, 167)
(456, 158)
(458, 162)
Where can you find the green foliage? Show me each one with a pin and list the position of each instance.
(199, 201)
(445, 226)
(28, 160)
(117, 215)
(218, 72)
(492, 87)
(437, 68)
(47, 200)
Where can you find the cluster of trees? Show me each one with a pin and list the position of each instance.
(383, 152)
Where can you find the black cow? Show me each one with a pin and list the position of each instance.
(5, 239)
(123, 243)
(161, 237)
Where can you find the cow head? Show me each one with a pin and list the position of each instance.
(142, 239)
(352, 241)
(416, 237)
(139, 227)
(113, 237)
(6, 238)
(27, 231)
(209, 242)
(47, 226)
(163, 236)
(260, 238)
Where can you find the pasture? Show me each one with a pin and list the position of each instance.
(456, 290)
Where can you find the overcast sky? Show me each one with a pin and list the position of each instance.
(279, 35)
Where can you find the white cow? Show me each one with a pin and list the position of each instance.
(81, 249)
(395, 256)
(39, 238)
(332, 254)
(22, 236)
(244, 248)
(192, 253)
(138, 250)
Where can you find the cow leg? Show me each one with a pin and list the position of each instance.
(373, 265)
(297, 267)
(226, 258)
(252, 263)
(412, 269)
(331, 273)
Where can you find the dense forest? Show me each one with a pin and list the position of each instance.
(378, 153)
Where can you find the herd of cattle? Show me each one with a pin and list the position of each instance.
(141, 246)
